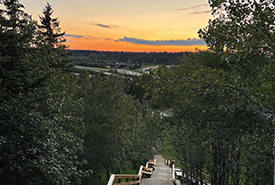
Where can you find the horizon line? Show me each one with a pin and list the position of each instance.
(130, 51)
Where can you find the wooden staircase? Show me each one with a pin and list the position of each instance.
(127, 179)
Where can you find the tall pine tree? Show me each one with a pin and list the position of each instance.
(50, 27)
(38, 110)
(53, 39)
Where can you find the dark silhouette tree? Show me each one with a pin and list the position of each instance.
(38, 142)
(50, 27)
(53, 39)
(16, 32)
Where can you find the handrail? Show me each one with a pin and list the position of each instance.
(191, 177)
(173, 176)
(147, 169)
(136, 179)
(140, 171)
(151, 164)
(111, 180)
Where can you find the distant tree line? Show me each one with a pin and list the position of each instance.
(86, 57)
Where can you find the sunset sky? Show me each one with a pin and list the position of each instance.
(128, 25)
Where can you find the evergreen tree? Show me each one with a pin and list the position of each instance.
(17, 32)
(39, 118)
(50, 29)
(53, 40)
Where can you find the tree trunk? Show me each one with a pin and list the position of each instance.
(99, 179)
(186, 173)
(214, 176)
(108, 173)
(236, 160)
(201, 176)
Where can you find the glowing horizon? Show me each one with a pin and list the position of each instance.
(123, 25)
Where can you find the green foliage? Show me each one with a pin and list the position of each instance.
(114, 128)
(213, 123)
(221, 102)
(245, 26)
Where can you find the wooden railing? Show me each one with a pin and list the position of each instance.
(192, 178)
(151, 164)
(171, 164)
(127, 179)
(174, 180)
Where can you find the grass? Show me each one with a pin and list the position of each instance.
(129, 171)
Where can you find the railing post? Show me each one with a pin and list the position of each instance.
(111, 180)
(173, 170)
(140, 172)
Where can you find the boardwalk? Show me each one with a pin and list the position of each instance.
(161, 176)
